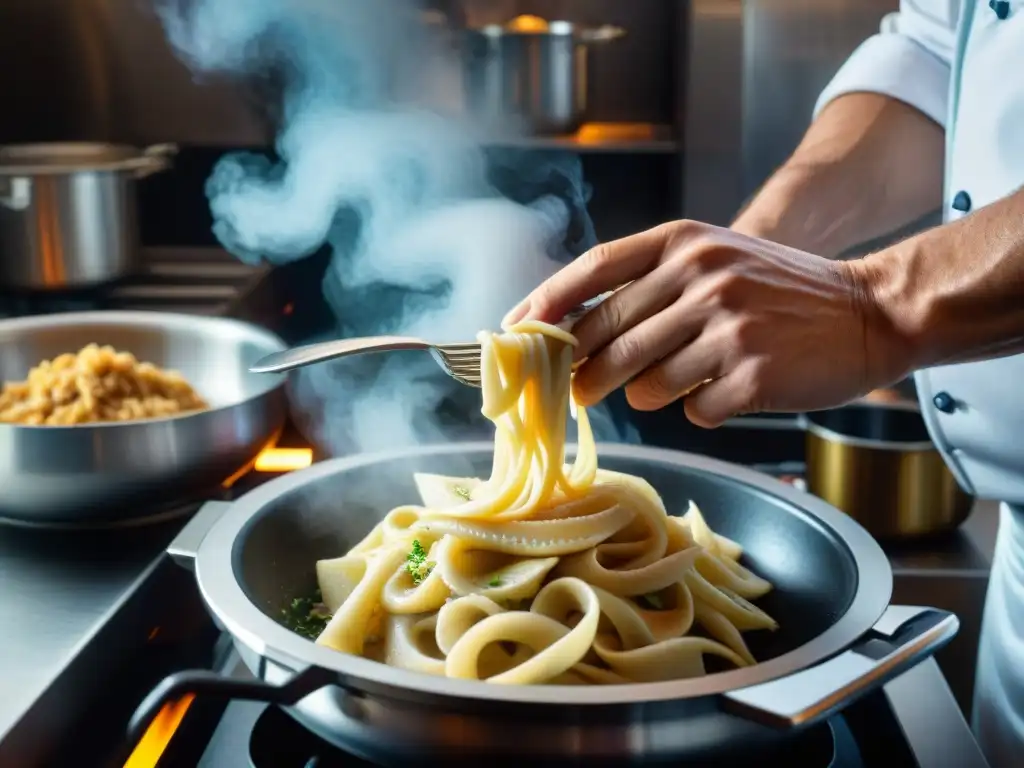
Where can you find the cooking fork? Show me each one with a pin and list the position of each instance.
(461, 361)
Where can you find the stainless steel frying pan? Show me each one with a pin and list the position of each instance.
(838, 639)
(121, 473)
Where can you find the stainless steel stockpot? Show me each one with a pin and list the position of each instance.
(68, 213)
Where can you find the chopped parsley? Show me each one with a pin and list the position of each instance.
(654, 601)
(416, 563)
(494, 582)
(306, 616)
(461, 491)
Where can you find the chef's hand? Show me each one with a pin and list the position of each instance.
(773, 328)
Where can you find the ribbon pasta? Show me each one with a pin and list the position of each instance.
(544, 572)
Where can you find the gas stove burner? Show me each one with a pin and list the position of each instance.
(279, 741)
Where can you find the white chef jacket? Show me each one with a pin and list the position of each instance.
(961, 62)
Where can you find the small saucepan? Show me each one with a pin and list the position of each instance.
(876, 462)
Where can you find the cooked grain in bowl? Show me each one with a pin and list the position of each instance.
(98, 384)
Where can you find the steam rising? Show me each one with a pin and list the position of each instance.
(373, 162)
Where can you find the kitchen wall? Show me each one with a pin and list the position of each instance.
(756, 68)
(732, 81)
(102, 70)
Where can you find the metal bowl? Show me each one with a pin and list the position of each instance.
(126, 472)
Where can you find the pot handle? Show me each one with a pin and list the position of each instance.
(201, 682)
(153, 159)
(603, 34)
(903, 637)
(788, 423)
(15, 192)
(185, 545)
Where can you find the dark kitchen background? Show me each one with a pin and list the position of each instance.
(713, 95)
(687, 114)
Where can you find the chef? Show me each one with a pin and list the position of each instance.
(762, 316)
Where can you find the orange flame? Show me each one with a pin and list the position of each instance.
(154, 741)
(283, 459)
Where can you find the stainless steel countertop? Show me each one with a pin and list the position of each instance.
(967, 551)
(58, 593)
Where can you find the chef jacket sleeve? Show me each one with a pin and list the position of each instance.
(910, 59)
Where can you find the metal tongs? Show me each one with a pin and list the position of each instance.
(461, 361)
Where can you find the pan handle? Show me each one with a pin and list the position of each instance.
(185, 545)
(603, 34)
(903, 637)
(201, 682)
(152, 160)
(901, 394)
(789, 423)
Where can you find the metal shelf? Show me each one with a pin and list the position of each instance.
(603, 138)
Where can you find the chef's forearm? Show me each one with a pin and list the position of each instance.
(868, 165)
(955, 293)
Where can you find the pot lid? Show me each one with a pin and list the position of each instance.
(70, 157)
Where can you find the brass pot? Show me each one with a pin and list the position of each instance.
(877, 463)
